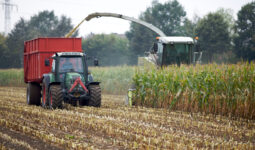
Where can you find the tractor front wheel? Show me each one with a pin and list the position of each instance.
(95, 96)
(33, 94)
(55, 97)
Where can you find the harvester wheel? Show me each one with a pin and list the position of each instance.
(55, 97)
(95, 96)
(33, 94)
(45, 98)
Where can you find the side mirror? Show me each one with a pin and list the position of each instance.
(47, 62)
(96, 62)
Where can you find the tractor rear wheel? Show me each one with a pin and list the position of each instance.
(95, 96)
(33, 94)
(55, 97)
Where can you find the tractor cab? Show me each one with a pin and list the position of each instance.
(69, 70)
(67, 63)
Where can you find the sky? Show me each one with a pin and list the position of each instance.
(79, 9)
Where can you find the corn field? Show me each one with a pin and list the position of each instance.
(12, 77)
(115, 126)
(114, 80)
(218, 89)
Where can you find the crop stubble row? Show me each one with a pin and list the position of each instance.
(116, 126)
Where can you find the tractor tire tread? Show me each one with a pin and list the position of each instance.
(57, 96)
(95, 96)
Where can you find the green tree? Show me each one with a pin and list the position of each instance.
(15, 43)
(168, 17)
(4, 55)
(229, 18)
(47, 24)
(189, 27)
(214, 36)
(110, 50)
(245, 28)
(44, 24)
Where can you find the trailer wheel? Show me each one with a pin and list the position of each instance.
(95, 96)
(55, 97)
(45, 98)
(33, 94)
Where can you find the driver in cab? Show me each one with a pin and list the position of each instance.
(67, 65)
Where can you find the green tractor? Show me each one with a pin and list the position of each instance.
(69, 81)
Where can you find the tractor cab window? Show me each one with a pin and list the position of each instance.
(70, 64)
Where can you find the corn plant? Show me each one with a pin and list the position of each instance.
(219, 89)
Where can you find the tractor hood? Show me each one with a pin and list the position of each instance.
(70, 79)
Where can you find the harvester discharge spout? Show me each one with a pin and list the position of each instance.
(97, 15)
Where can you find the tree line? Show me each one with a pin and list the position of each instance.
(222, 38)
(43, 24)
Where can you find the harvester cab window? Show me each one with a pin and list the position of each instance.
(176, 53)
(68, 64)
(183, 53)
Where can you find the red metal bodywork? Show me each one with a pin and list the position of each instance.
(76, 82)
(37, 50)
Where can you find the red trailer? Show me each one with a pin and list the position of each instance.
(37, 50)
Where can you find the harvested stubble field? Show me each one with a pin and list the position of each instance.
(114, 126)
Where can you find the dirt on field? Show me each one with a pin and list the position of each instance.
(115, 126)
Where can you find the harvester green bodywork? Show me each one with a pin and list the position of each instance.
(172, 50)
